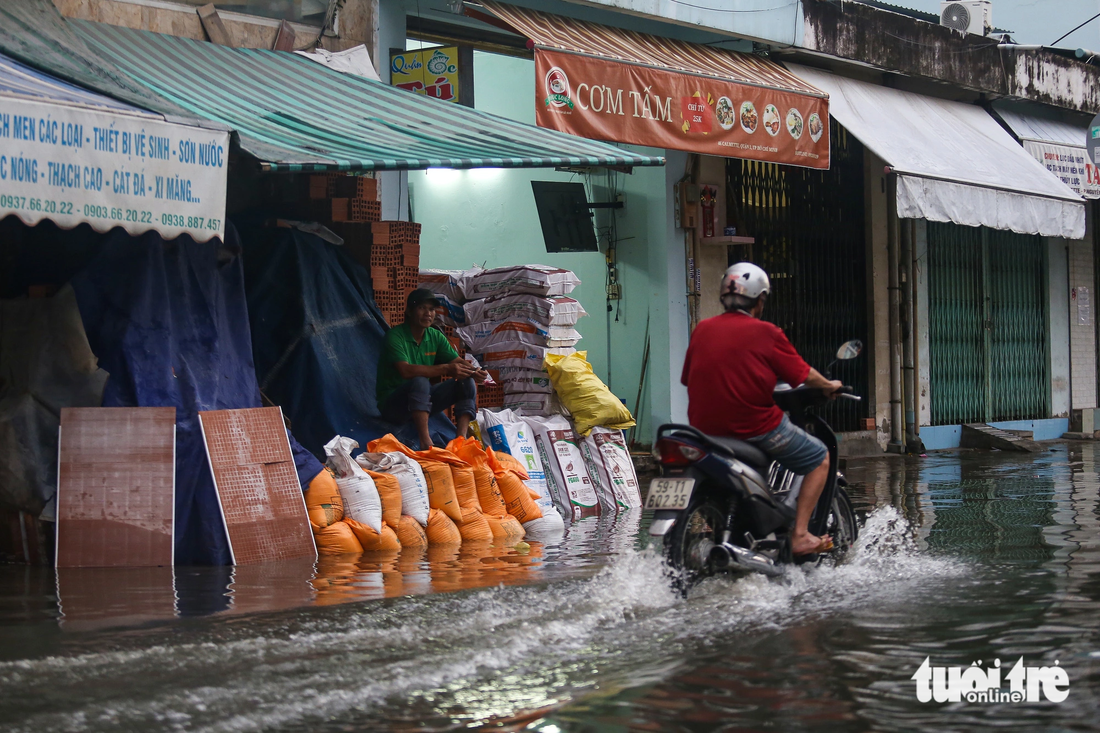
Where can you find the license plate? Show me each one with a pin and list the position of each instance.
(669, 493)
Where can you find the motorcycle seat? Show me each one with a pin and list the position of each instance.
(743, 451)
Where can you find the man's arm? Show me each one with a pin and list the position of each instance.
(818, 381)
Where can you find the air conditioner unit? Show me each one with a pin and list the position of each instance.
(970, 16)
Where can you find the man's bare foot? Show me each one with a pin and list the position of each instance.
(808, 544)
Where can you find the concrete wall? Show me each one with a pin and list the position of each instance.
(1058, 327)
(488, 217)
(1082, 320)
(878, 298)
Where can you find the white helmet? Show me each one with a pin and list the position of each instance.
(745, 279)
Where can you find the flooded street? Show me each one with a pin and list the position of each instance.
(964, 557)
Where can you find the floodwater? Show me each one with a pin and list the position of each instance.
(964, 557)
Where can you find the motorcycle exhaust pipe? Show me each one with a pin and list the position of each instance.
(725, 556)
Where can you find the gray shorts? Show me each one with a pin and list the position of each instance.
(794, 448)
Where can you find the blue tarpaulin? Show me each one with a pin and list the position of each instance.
(317, 336)
(168, 320)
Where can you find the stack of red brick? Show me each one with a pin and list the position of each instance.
(389, 250)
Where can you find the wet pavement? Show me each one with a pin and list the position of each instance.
(964, 557)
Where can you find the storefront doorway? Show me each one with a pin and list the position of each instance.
(988, 326)
(810, 235)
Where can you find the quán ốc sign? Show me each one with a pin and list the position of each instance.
(607, 100)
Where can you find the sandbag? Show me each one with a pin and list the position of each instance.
(480, 336)
(437, 473)
(465, 486)
(474, 527)
(566, 475)
(511, 463)
(410, 477)
(517, 498)
(548, 525)
(587, 398)
(553, 311)
(505, 528)
(441, 530)
(509, 433)
(389, 491)
(610, 466)
(518, 354)
(357, 489)
(534, 279)
(373, 541)
(488, 493)
(336, 539)
(323, 504)
(410, 533)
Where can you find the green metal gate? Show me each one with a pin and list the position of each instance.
(987, 312)
(810, 236)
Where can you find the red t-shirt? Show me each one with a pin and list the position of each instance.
(732, 365)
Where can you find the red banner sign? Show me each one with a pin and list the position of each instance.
(606, 100)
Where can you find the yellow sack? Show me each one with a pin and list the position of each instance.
(587, 398)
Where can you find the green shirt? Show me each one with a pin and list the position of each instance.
(433, 349)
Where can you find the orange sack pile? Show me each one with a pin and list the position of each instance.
(410, 533)
(505, 528)
(441, 530)
(437, 474)
(389, 491)
(373, 541)
(517, 497)
(337, 539)
(488, 493)
(323, 503)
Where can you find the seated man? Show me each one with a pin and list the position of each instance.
(415, 353)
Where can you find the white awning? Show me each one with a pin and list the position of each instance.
(954, 162)
(1058, 143)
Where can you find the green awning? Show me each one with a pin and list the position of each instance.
(293, 114)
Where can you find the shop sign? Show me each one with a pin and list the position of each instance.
(606, 100)
(73, 165)
(432, 72)
(1070, 165)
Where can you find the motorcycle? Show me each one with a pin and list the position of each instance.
(721, 505)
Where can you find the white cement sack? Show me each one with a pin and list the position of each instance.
(566, 475)
(444, 282)
(516, 380)
(549, 524)
(518, 354)
(509, 433)
(608, 461)
(410, 477)
(533, 279)
(556, 311)
(482, 336)
(450, 312)
(530, 403)
(357, 489)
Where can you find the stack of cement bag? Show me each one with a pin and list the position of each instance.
(514, 318)
(448, 285)
(577, 476)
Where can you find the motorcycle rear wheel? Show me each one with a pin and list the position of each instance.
(842, 527)
(688, 544)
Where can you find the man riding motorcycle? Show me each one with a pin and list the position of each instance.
(733, 363)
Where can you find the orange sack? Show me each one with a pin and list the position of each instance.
(374, 541)
(441, 530)
(323, 503)
(410, 533)
(517, 497)
(474, 527)
(441, 488)
(488, 493)
(509, 463)
(336, 539)
(505, 528)
(389, 491)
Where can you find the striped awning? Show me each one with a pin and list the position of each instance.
(293, 114)
(555, 32)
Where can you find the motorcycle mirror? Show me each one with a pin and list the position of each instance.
(849, 350)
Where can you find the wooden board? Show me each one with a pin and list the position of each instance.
(116, 486)
(258, 489)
